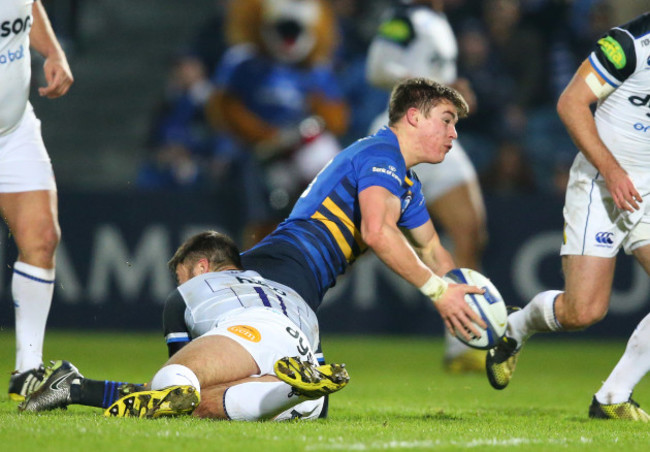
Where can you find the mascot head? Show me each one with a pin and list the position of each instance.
(291, 31)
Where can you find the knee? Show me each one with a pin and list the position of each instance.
(39, 249)
(47, 242)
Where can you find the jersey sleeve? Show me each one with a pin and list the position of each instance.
(614, 56)
(176, 333)
(380, 169)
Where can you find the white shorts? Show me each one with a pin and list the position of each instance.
(267, 335)
(24, 162)
(593, 225)
(437, 179)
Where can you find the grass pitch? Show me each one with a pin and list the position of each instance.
(398, 398)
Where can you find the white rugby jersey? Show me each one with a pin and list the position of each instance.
(414, 41)
(198, 305)
(622, 58)
(15, 61)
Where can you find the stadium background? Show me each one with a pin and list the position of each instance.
(111, 270)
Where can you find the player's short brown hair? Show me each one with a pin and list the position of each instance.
(423, 94)
(219, 249)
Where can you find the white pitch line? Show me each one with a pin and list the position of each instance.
(428, 444)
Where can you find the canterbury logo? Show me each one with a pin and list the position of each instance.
(246, 332)
(605, 238)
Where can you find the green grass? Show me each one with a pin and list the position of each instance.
(398, 399)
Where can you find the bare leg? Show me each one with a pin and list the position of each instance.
(32, 218)
(461, 213)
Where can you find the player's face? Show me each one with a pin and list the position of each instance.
(437, 132)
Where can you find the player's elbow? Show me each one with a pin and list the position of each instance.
(564, 106)
(374, 237)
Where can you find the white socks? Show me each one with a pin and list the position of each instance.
(175, 375)
(453, 346)
(250, 401)
(254, 401)
(32, 289)
(629, 370)
(538, 316)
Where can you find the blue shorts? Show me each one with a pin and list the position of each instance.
(283, 263)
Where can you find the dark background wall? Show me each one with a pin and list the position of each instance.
(112, 273)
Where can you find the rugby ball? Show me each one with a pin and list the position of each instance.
(490, 306)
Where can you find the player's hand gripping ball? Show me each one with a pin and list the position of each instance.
(490, 306)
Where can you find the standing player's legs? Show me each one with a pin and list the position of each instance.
(32, 219)
(585, 300)
(614, 398)
(461, 212)
(455, 202)
(28, 205)
(594, 232)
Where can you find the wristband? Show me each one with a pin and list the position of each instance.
(434, 288)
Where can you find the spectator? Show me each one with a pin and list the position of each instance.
(510, 172)
(277, 96)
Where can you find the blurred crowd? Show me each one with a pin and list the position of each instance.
(268, 90)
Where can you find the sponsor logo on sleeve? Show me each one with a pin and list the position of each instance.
(613, 51)
(246, 332)
(390, 171)
(395, 30)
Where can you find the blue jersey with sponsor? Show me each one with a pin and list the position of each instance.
(322, 235)
(277, 92)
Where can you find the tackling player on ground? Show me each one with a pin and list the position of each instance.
(605, 209)
(28, 200)
(241, 348)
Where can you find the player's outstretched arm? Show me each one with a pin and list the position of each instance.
(56, 68)
(380, 212)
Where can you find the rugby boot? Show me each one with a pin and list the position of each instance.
(170, 401)
(54, 392)
(500, 362)
(629, 410)
(21, 384)
(309, 380)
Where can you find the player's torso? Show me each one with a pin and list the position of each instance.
(623, 118)
(325, 224)
(213, 296)
(420, 40)
(15, 72)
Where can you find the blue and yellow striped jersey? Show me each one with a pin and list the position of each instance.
(322, 235)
